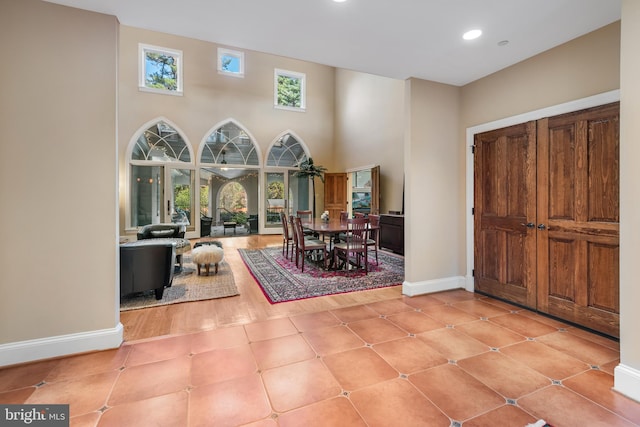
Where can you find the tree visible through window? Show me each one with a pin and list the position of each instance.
(290, 89)
(160, 70)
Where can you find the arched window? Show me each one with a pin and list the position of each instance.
(287, 151)
(229, 155)
(161, 177)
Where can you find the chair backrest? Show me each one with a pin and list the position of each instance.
(374, 221)
(358, 231)
(286, 233)
(294, 233)
(305, 215)
(146, 266)
(298, 232)
(344, 215)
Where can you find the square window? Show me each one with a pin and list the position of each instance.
(160, 70)
(230, 62)
(289, 88)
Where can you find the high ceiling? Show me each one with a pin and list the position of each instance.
(392, 38)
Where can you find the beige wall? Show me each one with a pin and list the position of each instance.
(369, 129)
(629, 201)
(434, 231)
(210, 98)
(58, 173)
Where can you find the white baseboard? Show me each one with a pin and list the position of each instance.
(62, 345)
(430, 286)
(627, 381)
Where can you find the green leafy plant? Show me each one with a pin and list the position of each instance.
(308, 169)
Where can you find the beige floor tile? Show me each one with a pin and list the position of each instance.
(376, 330)
(16, 397)
(453, 344)
(299, 384)
(396, 403)
(231, 336)
(580, 348)
(89, 364)
(333, 340)
(549, 362)
(504, 416)
(422, 302)
(83, 395)
(269, 329)
(86, 420)
(447, 385)
(391, 306)
(229, 403)
(415, 322)
(480, 308)
(336, 412)
(29, 374)
(523, 325)
(281, 351)
(222, 365)
(508, 377)
(409, 355)
(455, 295)
(598, 386)
(562, 407)
(159, 349)
(311, 321)
(152, 379)
(449, 315)
(167, 410)
(362, 367)
(490, 334)
(353, 314)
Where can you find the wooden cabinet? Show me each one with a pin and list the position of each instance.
(392, 233)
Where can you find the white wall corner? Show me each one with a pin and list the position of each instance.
(62, 345)
(627, 381)
(430, 286)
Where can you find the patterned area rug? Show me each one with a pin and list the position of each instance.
(187, 286)
(281, 280)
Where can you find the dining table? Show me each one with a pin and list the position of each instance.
(331, 228)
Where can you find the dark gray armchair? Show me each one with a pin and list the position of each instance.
(147, 266)
(158, 231)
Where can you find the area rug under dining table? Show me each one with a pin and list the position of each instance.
(280, 279)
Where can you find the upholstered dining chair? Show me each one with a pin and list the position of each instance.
(354, 244)
(287, 236)
(374, 234)
(305, 246)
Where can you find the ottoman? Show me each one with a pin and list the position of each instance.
(206, 255)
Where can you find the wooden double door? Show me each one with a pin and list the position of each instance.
(546, 216)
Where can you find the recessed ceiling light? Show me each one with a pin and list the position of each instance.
(339, 1)
(503, 42)
(473, 34)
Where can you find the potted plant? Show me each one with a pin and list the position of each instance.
(310, 170)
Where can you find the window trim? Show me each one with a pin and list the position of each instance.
(303, 89)
(235, 53)
(142, 71)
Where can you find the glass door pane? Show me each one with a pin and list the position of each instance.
(181, 204)
(275, 201)
(299, 193)
(147, 195)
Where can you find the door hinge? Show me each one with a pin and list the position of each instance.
(473, 149)
(473, 211)
(473, 273)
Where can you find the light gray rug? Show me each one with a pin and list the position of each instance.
(187, 286)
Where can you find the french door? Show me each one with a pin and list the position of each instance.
(286, 193)
(547, 216)
(162, 194)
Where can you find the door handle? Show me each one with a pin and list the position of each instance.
(542, 227)
(528, 225)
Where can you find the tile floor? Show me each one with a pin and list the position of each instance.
(447, 359)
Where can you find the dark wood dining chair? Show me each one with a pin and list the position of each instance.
(304, 246)
(307, 216)
(287, 236)
(373, 239)
(354, 245)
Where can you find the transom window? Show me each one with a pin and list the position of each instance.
(290, 88)
(160, 70)
(229, 145)
(162, 143)
(286, 152)
(230, 62)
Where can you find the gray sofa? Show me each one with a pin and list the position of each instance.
(146, 266)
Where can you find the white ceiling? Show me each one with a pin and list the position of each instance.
(392, 38)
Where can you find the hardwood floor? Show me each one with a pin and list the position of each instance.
(249, 306)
